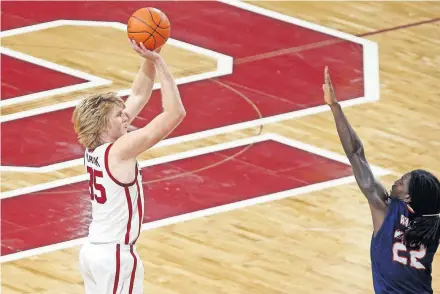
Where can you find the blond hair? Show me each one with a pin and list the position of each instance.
(90, 117)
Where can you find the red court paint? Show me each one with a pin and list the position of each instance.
(63, 213)
(22, 78)
(275, 85)
(231, 33)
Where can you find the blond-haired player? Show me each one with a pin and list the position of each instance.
(108, 260)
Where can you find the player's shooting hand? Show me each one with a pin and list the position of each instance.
(144, 52)
(329, 92)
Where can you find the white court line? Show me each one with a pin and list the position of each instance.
(196, 136)
(369, 76)
(222, 70)
(32, 28)
(142, 164)
(224, 67)
(370, 48)
(299, 22)
(93, 81)
(197, 152)
(206, 212)
(188, 216)
(371, 72)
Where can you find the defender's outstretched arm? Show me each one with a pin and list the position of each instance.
(353, 148)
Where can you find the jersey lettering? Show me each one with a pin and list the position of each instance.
(93, 160)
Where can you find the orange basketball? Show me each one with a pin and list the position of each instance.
(150, 26)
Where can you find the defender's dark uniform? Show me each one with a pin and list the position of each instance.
(397, 268)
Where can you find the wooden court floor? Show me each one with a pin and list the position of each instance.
(315, 241)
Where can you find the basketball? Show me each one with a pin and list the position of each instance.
(150, 26)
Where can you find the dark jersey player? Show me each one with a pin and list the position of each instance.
(406, 221)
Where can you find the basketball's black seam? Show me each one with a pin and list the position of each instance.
(144, 22)
(148, 39)
(157, 25)
(154, 30)
(160, 20)
(135, 17)
(141, 32)
(152, 18)
(159, 34)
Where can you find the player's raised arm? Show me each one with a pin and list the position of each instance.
(129, 146)
(370, 187)
(142, 86)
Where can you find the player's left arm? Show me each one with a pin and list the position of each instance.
(354, 149)
(142, 86)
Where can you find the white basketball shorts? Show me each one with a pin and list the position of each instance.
(111, 269)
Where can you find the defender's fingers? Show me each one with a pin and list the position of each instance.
(326, 75)
(329, 80)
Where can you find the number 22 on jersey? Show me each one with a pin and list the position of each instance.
(415, 255)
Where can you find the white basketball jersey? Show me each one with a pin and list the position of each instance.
(117, 208)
